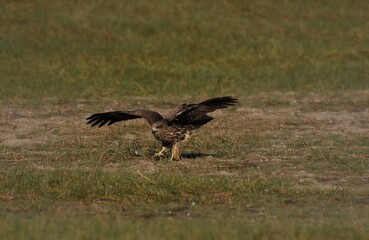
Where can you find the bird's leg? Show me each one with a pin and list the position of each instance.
(176, 154)
(158, 154)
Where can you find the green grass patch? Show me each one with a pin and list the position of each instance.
(188, 48)
(177, 204)
(97, 227)
(281, 165)
(136, 188)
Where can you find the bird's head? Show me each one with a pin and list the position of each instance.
(158, 125)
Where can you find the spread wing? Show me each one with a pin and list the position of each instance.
(116, 116)
(197, 113)
(176, 111)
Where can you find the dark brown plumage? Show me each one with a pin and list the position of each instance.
(180, 123)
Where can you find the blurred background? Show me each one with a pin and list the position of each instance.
(94, 49)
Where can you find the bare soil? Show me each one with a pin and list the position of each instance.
(278, 120)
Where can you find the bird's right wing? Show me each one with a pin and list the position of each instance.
(109, 118)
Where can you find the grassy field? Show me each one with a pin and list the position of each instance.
(291, 161)
(70, 49)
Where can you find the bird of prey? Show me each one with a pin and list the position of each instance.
(179, 124)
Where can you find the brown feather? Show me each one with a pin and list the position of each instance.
(181, 122)
(112, 117)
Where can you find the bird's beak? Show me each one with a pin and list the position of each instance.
(154, 129)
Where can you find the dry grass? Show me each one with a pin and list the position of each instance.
(280, 165)
(300, 159)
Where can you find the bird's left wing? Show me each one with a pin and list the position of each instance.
(109, 118)
(193, 112)
(178, 110)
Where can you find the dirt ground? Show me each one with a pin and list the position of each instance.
(291, 130)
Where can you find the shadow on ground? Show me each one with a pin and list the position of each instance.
(190, 155)
(199, 154)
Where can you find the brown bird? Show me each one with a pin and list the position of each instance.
(179, 124)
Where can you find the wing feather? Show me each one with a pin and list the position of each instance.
(110, 118)
(197, 112)
(176, 111)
